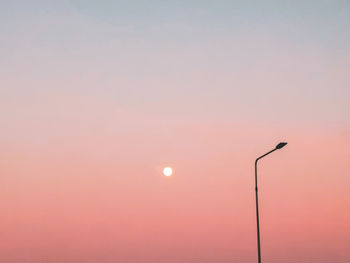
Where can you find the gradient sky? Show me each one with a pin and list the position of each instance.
(96, 97)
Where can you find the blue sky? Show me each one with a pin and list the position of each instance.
(229, 56)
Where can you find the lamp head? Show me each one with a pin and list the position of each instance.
(281, 145)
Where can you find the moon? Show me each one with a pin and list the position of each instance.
(168, 171)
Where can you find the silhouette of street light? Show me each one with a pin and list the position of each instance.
(279, 146)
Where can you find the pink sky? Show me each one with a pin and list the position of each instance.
(95, 100)
(100, 196)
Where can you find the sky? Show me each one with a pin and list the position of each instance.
(97, 97)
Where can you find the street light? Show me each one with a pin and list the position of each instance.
(279, 146)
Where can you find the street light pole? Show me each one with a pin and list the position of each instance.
(279, 146)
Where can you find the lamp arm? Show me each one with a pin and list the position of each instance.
(262, 156)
